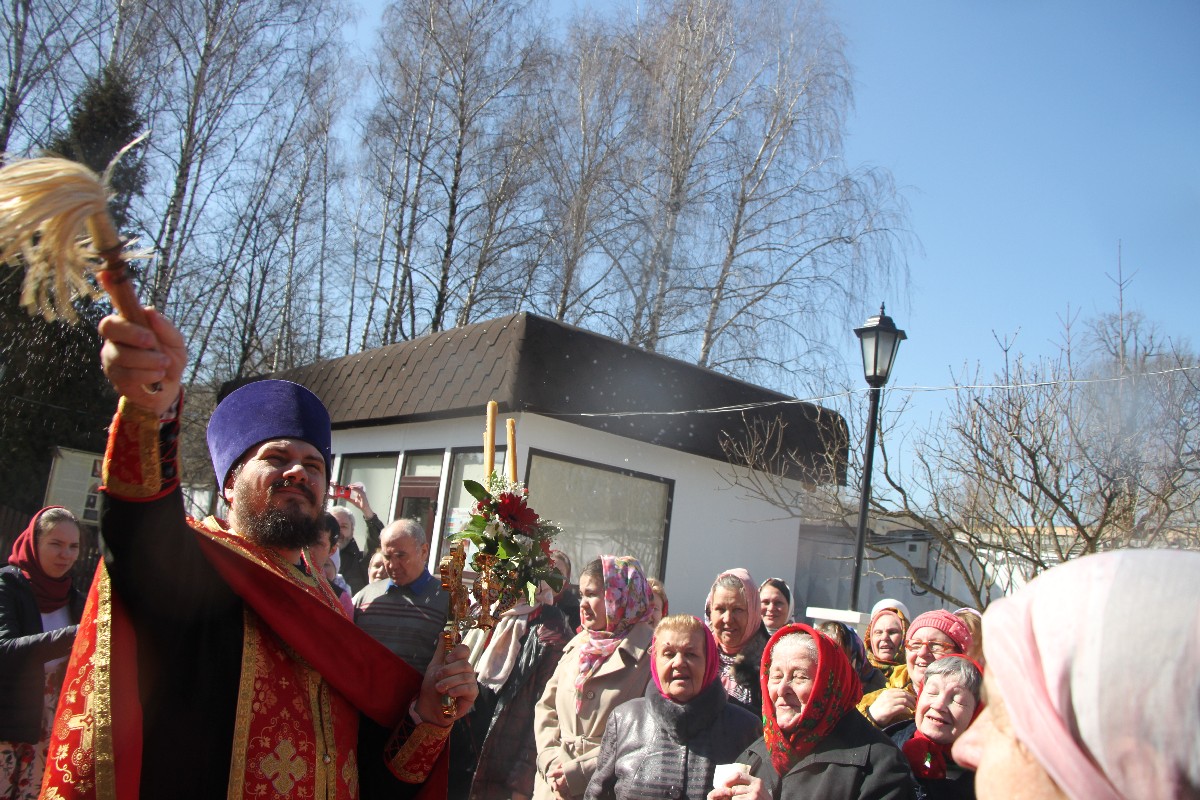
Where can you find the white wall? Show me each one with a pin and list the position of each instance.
(713, 527)
(825, 566)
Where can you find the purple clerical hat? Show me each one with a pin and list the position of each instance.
(266, 410)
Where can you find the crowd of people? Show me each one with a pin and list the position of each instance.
(301, 665)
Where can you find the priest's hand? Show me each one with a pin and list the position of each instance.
(448, 674)
(137, 358)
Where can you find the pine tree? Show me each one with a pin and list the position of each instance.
(52, 390)
(104, 119)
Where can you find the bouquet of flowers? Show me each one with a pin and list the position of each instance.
(511, 540)
(512, 549)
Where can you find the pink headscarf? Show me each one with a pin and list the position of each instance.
(749, 593)
(627, 601)
(712, 662)
(1096, 661)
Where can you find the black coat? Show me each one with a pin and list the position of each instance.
(654, 748)
(504, 752)
(853, 762)
(24, 650)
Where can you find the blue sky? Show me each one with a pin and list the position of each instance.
(1029, 139)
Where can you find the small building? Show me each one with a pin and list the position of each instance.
(619, 446)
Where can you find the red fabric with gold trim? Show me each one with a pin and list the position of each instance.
(414, 750)
(133, 464)
(89, 727)
(376, 681)
(294, 736)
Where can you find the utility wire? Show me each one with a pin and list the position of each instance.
(850, 392)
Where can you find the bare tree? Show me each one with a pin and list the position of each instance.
(686, 53)
(1060, 458)
(797, 235)
(448, 151)
(731, 233)
(216, 74)
(50, 47)
(590, 137)
(242, 101)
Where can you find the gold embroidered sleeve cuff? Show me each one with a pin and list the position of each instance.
(414, 749)
(140, 461)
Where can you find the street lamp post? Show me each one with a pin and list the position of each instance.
(880, 339)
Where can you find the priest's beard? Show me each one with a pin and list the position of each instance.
(285, 528)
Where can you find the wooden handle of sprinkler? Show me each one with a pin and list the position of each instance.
(114, 277)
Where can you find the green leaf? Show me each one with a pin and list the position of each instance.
(477, 491)
(531, 593)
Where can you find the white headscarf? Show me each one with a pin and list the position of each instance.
(1098, 663)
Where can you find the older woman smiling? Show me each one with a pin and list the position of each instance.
(668, 743)
(735, 617)
(885, 639)
(815, 745)
(946, 707)
(932, 635)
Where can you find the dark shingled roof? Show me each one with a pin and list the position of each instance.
(530, 363)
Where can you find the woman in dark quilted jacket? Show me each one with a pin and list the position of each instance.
(668, 743)
(39, 610)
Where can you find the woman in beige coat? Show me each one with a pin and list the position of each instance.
(607, 663)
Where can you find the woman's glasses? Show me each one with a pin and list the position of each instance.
(937, 648)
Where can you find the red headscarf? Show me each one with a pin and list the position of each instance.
(51, 593)
(836, 690)
(712, 662)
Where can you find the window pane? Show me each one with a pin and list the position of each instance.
(601, 511)
(377, 474)
(466, 466)
(418, 508)
(423, 465)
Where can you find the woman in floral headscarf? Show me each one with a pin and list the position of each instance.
(734, 614)
(815, 744)
(607, 663)
(39, 613)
